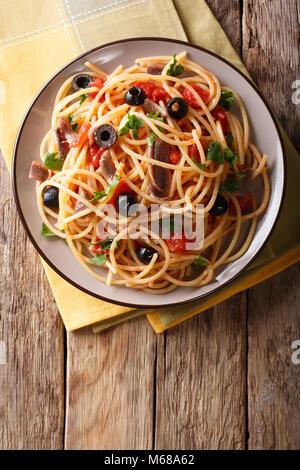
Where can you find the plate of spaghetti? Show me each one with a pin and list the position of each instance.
(149, 172)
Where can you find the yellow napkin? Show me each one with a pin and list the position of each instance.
(33, 47)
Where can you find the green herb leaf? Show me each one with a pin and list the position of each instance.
(53, 163)
(105, 244)
(240, 175)
(230, 157)
(200, 165)
(229, 140)
(135, 134)
(175, 68)
(226, 99)
(46, 232)
(72, 120)
(170, 225)
(99, 260)
(98, 195)
(151, 138)
(155, 116)
(200, 261)
(83, 98)
(102, 194)
(134, 124)
(214, 153)
(158, 118)
(124, 130)
(230, 185)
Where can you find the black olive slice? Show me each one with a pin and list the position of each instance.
(135, 96)
(82, 80)
(124, 202)
(145, 254)
(105, 136)
(220, 206)
(177, 108)
(50, 197)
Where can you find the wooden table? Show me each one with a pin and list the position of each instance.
(222, 380)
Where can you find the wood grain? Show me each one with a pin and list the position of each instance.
(188, 388)
(110, 387)
(271, 54)
(228, 13)
(31, 331)
(201, 381)
(273, 380)
(201, 373)
(270, 51)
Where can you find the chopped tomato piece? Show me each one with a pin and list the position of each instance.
(153, 92)
(159, 94)
(174, 157)
(220, 115)
(191, 99)
(82, 135)
(245, 203)
(98, 248)
(193, 152)
(121, 188)
(98, 82)
(176, 242)
(95, 153)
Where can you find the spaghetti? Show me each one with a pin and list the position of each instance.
(194, 154)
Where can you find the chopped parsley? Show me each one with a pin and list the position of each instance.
(151, 138)
(133, 124)
(99, 260)
(158, 118)
(102, 194)
(46, 232)
(175, 68)
(105, 244)
(229, 140)
(226, 99)
(72, 120)
(230, 157)
(230, 185)
(214, 153)
(53, 163)
(200, 165)
(199, 261)
(83, 98)
(170, 225)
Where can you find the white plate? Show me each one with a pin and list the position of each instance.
(264, 133)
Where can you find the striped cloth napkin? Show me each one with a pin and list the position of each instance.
(34, 46)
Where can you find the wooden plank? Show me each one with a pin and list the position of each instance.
(110, 387)
(201, 374)
(228, 13)
(271, 54)
(270, 51)
(31, 341)
(273, 380)
(201, 381)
